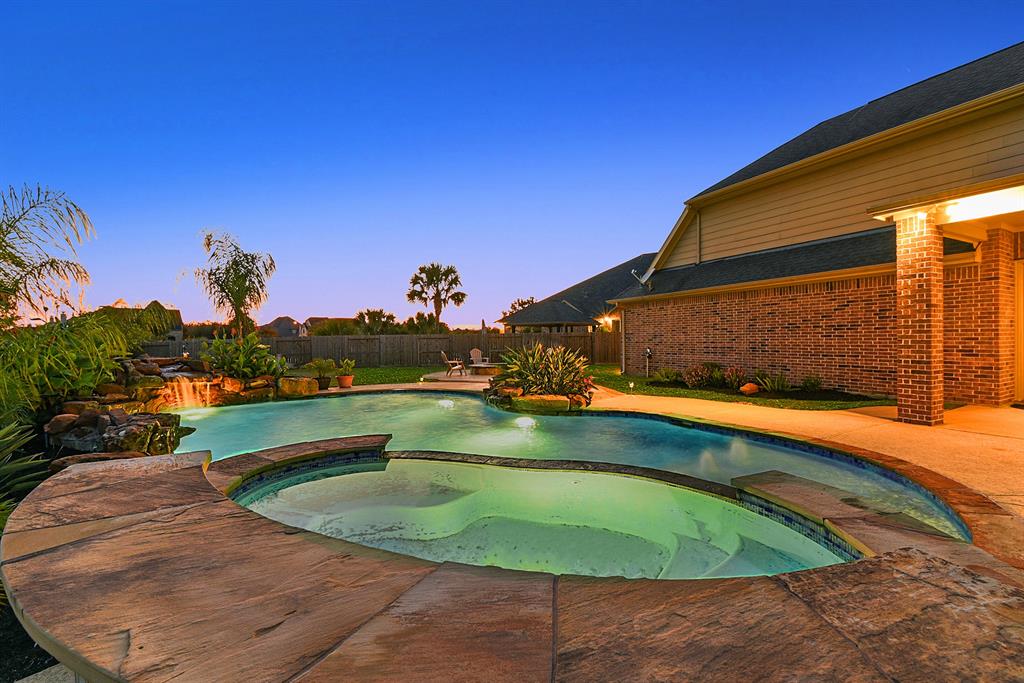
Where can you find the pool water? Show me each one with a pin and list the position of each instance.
(466, 424)
(554, 521)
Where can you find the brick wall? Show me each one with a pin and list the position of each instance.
(843, 331)
(816, 328)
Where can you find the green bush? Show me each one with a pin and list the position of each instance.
(773, 383)
(346, 366)
(324, 368)
(811, 383)
(41, 367)
(539, 370)
(697, 376)
(19, 472)
(734, 377)
(667, 375)
(244, 358)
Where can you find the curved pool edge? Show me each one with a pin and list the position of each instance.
(330, 454)
(239, 581)
(973, 513)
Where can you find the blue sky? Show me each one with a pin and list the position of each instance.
(531, 144)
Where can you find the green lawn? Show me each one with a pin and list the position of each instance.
(609, 376)
(364, 376)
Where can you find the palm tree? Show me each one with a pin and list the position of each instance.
(436, 285)
(375, 321)
(39, 229)
(234, 279)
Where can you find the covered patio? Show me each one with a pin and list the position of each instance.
(986, 351)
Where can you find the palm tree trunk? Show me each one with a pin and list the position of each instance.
(437, 313)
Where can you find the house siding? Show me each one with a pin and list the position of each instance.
(834, 200)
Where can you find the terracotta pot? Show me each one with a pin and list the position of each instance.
(323, 383)
(345, 381)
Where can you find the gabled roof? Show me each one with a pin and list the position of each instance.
(284, 325)
(984, 76)
(869, 248)
(583, 302)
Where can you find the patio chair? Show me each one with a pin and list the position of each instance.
(476, 357)
(452, 365)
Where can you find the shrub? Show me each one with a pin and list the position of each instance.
(41, 367)
(538, 370)
(346, 366)
(243, 358)
(811, 383)
(774, 384)
(324, 368)
(667, 375)
(697, 376)
(734, 377)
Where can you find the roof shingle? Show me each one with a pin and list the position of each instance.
(869, 248)
(984, 76)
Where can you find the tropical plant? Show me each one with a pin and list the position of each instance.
(346, 366)
(243, 358)
(518, 305)
(734, 377)
(539, 370)
(697, 376)
(423, 323)
(39, 229)
(334, 326)
(811, 383)
(323, 368)
(234, 279)
(41, 367)
(19, 472)
(666, 375)
(773, 383)
(436, 285)
(375, 321)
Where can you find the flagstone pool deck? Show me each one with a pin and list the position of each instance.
(145, 570)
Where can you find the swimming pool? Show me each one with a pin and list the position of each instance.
(561, 522)
(466, 424)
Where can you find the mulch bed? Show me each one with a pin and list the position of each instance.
(19, 655)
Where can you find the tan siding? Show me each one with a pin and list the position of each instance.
(686, 251)
(834, 200)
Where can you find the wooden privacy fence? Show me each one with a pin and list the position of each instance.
(372, 351)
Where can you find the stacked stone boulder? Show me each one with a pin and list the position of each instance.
(102, 430)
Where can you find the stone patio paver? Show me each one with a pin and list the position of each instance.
(980, 447)
(166, 579)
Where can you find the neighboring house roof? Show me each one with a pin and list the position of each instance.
(868, 248)
(313, 321)
(984, 76)
(284, 326)
(583, 302)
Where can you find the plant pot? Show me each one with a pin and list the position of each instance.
(345, 381)
(323, 383)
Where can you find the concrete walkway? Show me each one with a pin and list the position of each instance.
(980, 447)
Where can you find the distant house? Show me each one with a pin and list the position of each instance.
(582, 307)
(283, 326)
(177, 328)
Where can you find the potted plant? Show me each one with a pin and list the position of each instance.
(323, 368)
(346, 368)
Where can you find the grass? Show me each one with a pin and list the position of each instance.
(609, 376)
(366, 376)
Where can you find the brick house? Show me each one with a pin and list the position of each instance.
(880, 250)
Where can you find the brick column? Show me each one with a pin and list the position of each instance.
(919, 370)
(996, 317)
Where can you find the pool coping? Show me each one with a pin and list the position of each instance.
(30, 537)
